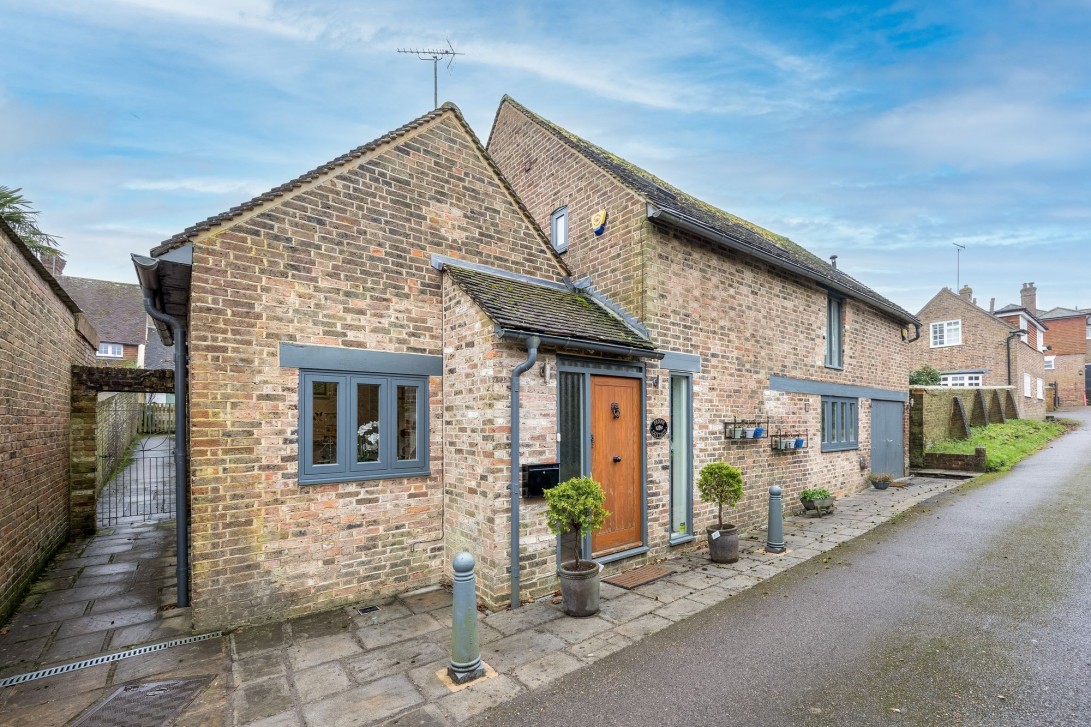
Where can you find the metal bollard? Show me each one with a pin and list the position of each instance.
(465, 663)
(774, 542)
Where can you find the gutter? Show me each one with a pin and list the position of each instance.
(147, 273)
(516, 491)
(564, 342)
(683, 222)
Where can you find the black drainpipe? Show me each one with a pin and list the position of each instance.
(181, 446)
(1011, 336)
(516, 485)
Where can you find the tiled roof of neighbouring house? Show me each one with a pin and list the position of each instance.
(665, 196)
(1064, 313)
(524, 306)
(156, 355)
(116, 310)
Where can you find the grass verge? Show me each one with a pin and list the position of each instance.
(1008, 443)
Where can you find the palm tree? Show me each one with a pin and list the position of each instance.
(23, 219)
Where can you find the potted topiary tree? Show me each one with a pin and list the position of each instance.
(880, 481)
(577, 506)
(721, 483)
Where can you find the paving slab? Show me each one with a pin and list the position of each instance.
(364, 705)
(395, 658)
(479, 697)
(309, 652)
(319, 682)
(512, 651)
(542, 671)
(261, 699)
(399, 630)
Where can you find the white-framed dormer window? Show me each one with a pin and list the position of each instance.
(1039, 388)
(110, 350)
(558, 229)
(960, 380)
(1050, 363)
(1026, 385)
(946, 333)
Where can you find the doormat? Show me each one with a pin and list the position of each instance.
(638, 576)
(144, 705)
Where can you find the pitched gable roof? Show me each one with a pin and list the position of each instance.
(539, 307)
(983, 314)
(116, 310)
(752, 238)
(1060, 312)
(332, 166)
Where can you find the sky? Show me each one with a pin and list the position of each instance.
(885, 133)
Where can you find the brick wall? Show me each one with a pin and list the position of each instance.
(1067, 336)
(39, 340)
(1069, 375)
(547, 175)
(343, 261)
(933, 419)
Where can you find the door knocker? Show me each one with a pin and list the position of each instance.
(616, 410)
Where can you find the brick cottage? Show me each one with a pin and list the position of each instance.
(358, 338)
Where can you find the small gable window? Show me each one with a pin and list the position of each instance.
(111, 350)
(946, 333)
(834, 324)
(558, 229)
(1051, 362)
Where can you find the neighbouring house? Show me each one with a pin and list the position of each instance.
(43, 334)
(1068, 354)
(358, 338)
(117, 312)
(972, 347)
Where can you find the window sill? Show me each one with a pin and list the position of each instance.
(853, 448)
(682, 539)
(343, 479)
(834, 368)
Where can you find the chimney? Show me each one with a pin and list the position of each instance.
(1029, 296)
(833, 261)
(992, 304)
(966, 292)
(53, 263)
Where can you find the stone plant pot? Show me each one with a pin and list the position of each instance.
(579, 588)
(880, 484)
(723, 544)
(818, 507)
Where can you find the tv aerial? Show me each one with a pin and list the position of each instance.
(434, 55)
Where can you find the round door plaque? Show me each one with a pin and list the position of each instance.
(659, 428)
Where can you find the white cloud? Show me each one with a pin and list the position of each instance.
(258, 15)
(195, 184)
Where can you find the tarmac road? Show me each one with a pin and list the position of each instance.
(971, 609)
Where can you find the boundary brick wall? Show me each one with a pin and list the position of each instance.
(345, 262)
(1069, 374)
(41, 336)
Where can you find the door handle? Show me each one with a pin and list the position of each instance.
(617, 458)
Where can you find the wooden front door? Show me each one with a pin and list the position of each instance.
(615, 460)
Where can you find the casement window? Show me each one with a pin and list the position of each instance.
(1039, 388)
(361, 426)
(558, 229)
(1050, 363)
(839, 423)
(946, 333)
(1089, 329)
(110, 350)
(960, 380)
(1026, 385)
(834, 324)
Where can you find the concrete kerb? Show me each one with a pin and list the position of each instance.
(387, 660)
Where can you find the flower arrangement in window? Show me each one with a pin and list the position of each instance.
(367, 442)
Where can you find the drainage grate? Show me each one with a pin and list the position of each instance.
(104, 659)
(144, 705)
(367, 609)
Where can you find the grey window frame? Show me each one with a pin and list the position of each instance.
(558, 244)
(835, 346)
(833, 431)
(346, 468)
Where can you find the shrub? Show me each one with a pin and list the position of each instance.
(924, 376)
(815, 493)
(579, 505)
(720, 483)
